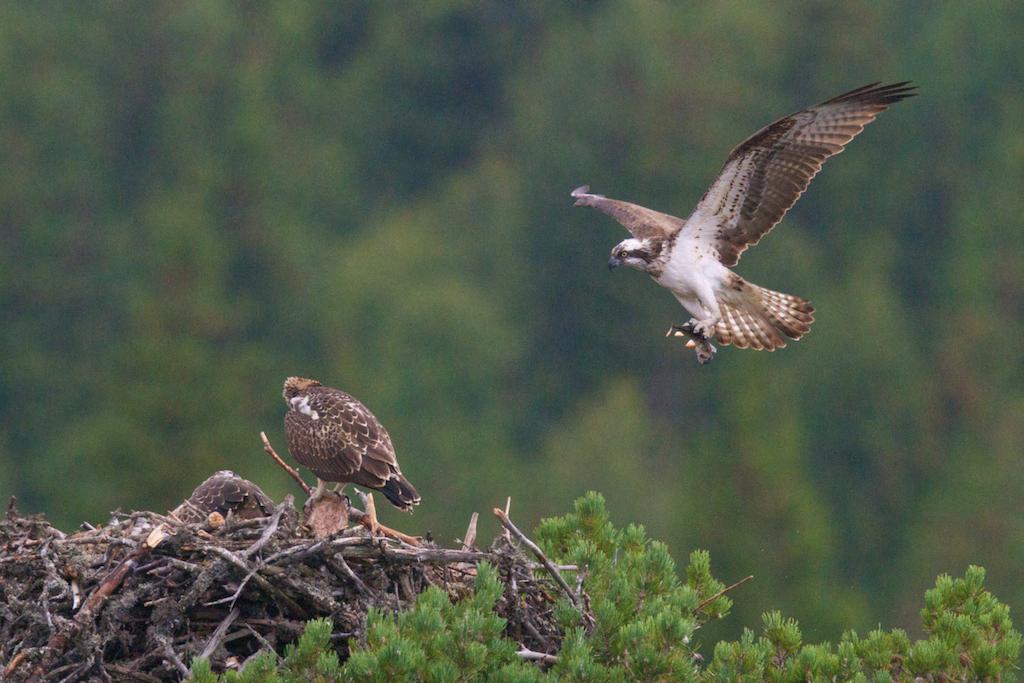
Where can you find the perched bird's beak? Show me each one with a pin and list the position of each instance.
(614, 262)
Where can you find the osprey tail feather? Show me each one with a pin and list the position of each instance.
(400, 492)
(761, 319)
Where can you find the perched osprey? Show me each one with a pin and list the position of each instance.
(340, 440)
(225, 492)
(761, 180)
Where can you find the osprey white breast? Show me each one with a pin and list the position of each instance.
(301, 404)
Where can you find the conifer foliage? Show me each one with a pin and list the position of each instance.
(638, 624)
(970, 638)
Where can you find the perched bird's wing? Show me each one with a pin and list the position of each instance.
(225, 492)
(320, 438)
(641, 222)
(767, 172)
(336, 436)
(368, 435)
(380, 471)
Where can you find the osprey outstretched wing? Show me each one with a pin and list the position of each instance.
(762, 178)
(640, 221)
(766, 173)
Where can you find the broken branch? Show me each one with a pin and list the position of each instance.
(369, 520)
(514, 530)
(292, 472)
(59, 641)
(532, 656)
(722, 592)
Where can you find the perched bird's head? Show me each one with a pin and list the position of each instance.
(635, 253)
(293, 386)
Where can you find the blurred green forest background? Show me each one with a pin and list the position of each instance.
(201, 198)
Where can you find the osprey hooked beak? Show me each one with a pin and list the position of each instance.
(614, 262)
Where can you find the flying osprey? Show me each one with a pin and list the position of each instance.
(761, 180)
(340, 440)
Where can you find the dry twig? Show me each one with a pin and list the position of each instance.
(15, 662)
(271, 527)
(218, 634)
(469, 538)
(173, 658)
(86, 616)
(292, 472)
(722, 592)
(535, 549)
(530, 655)
(369, 520)
(265, 585)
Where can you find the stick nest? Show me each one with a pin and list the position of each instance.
(139, 598)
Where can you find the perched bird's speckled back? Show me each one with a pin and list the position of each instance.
(225, 492)
(334, 435)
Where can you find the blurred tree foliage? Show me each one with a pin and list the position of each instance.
(201, 198)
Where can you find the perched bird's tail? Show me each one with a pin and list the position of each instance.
(400, 492)
(758, 318)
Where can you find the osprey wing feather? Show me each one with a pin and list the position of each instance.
(766, 173)
(639, 220)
